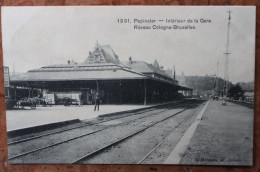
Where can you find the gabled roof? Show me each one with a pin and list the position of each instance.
(109, 54)
(155, 64)
(106, 52)
(143, 67)
(139, 66)
(169, 72)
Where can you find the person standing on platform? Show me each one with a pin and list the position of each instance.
(97, 102)
(81, 100)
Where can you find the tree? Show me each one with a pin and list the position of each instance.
(236, 91)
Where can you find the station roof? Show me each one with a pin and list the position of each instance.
(102, 71)
(101, 64)
(83, 72)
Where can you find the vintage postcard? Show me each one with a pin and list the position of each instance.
(129, 84)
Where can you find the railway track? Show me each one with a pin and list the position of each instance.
(89, 155)
(159, 144)
(83, 135)
(94, 153)
(95, 123)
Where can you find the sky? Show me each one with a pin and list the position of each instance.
(38, 36)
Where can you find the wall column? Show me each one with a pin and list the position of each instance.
(144, 92)
(15, 93)
(97, 86)
(29, 90)
(121, 96)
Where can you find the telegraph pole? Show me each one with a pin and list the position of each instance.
(227, 53)
(174, 77)
(217, 89)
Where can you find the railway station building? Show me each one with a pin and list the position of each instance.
(126, 82)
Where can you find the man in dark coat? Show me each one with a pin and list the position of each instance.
(97, 101)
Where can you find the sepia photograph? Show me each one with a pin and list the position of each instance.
(129, 84)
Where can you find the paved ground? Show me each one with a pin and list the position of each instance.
(24, 118)
(224, 136)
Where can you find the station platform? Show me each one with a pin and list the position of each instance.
(224, 136)
(26, 118)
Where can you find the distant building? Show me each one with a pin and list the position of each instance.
(6, 80)
(249, 95)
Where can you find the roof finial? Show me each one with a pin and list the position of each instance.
(97, 45)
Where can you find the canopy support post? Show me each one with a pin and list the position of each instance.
(144, 92)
